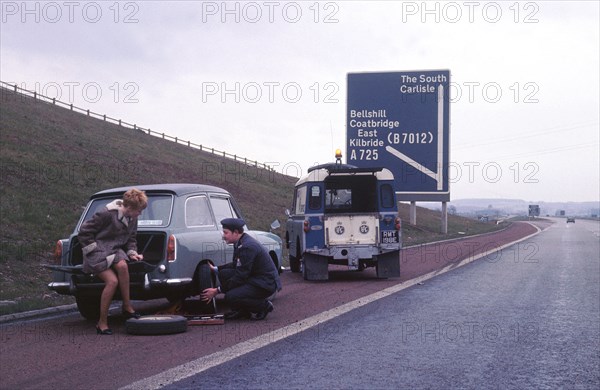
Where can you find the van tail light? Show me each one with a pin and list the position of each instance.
(58, 249)
(171, 248)
(398, 223)
(306, 226)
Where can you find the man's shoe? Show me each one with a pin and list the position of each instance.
(261, 315)
(235, 314)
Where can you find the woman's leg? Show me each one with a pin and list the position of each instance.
(123, 276)
(110, 286)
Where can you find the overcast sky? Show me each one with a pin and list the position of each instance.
(267, 80)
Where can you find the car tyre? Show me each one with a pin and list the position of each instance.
(88, 306)
(295, 260)
(294, 264)
(156, 325)
(276, 262)
(206, 280)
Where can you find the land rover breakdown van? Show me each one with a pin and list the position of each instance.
(347, 216)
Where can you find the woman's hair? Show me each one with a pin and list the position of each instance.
(135, 199)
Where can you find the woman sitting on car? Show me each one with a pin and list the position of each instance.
(108, 240)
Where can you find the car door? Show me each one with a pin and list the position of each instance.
(222, 208)
(202, 238)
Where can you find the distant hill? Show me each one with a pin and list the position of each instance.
(521, 207)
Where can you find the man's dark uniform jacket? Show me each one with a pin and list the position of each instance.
(252, 265)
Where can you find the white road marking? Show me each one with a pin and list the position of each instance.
(204, 363)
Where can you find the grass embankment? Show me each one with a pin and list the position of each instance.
(429, 222)
(53, 159)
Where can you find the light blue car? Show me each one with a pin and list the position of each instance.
(177, 232)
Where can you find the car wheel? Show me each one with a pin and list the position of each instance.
(294, 264)
(88, 306)
(156, 325)
(276, 262)
(206, 280)
(303, 270)
(295, 260)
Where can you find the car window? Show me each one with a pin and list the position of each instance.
(338, 198)
(197, 212)
(387, 196)
(356, 194)
(314, 201)
(300, 200)
(157, 213)
(222, 208)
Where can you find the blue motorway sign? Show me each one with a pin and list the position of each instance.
(401, 121)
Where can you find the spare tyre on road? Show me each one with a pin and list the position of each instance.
(156, 325)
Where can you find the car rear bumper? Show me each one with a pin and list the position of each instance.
(152, 286)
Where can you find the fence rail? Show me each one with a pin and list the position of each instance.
(37, 96)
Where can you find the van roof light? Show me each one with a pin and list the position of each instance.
(338, 156)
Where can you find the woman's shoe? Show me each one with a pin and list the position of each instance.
(107, 331)
(128, 314)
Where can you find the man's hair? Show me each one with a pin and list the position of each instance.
(135, 199)
(238, 229)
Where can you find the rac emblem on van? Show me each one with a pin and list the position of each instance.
(364, 229)
(339, 230)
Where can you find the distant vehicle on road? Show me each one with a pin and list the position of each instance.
(177, 233)
(570, 220)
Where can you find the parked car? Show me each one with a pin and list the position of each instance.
(570, 220)
(177, 233)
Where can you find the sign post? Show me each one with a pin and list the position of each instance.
(534, 210)
(401, 121)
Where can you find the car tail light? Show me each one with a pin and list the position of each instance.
(171, 248)
(58, 252)
(306, 226)
(398, 223)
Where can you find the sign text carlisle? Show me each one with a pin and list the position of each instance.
(401, 121)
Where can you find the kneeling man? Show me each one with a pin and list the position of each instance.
(247, 281)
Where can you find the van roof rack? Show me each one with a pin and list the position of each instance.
(344, 168)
